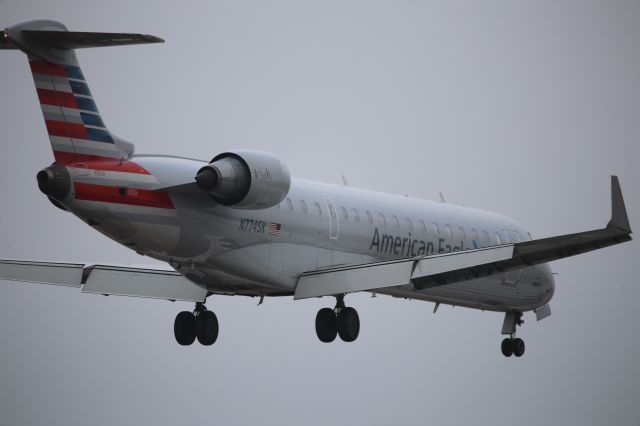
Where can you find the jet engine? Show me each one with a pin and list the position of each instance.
(245, 179)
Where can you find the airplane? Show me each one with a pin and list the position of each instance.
(241, 225)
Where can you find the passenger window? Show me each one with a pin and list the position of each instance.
(409, 224)
(355, 215)
(345, 215)
(395, 220)
(318, 209)
(383, 220)
(498, 239)
(449, 232)
(423, 227)
(476, 237)
(436, 229)
(369, 217)
(303, 207)
(487, 240)
(463, 235)
(290, 204)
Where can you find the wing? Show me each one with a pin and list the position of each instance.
(105, 279)
(442, 269)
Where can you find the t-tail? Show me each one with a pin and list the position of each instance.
(76, 129)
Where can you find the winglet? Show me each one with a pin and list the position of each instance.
(619, 217)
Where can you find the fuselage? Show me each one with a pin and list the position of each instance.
(263, 252)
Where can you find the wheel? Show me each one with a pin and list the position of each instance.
(348, 324)
(326, 325)
(207, 328)
(518, 347)
(507, 347)
(184, 328)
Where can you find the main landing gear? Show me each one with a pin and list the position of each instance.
(512, 345)
(200, 323)
(342, 321)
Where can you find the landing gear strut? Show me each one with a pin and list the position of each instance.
(200, 323)
(512, 345)
(342, 321)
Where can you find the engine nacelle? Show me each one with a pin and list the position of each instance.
(245, 179)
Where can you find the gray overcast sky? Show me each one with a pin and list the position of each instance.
(524, 108)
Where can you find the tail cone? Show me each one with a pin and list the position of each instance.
(54, 181)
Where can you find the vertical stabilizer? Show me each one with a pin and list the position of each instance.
(76, 129)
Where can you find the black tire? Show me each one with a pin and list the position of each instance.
(207, 328)
(326, 325)
(184, 328)
(507, 347)
(348, 324)
(518, 347)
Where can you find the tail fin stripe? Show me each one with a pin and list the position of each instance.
(47, 68)
(69, 71)
(79, 88)
(66, 129)
(56, 113)
(52, 82)
(61, 144)
(61, 99)
(65, 99)
(74, 72)
(92, 119)
(86, 104)
(98, 135)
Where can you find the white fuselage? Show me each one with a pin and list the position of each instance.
(263, 252)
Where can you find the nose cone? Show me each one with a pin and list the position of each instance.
(207, 178)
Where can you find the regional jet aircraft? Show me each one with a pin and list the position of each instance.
(241, 225)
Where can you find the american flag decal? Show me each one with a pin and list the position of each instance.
(274, 228)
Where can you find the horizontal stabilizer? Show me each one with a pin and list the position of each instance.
(105, 279)
(51, 41)
(77, 39)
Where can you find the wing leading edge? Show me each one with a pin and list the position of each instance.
(105, 279)
(442, 269)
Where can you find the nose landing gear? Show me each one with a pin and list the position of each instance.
(512, 345)
(200, 323)
(342, 321)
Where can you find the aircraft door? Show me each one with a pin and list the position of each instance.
(333, 219)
